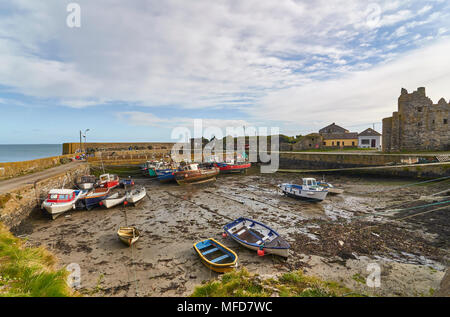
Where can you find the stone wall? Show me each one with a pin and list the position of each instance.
(14, 169)
(324, 160)
(18, 204)
(418, 125)
(70, 148)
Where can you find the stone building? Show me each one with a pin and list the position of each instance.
(308, 142)
(418, 124)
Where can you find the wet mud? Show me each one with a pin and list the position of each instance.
(336, 239)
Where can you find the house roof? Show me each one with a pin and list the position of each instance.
(337, 136)
(369, 132)
(333, 128)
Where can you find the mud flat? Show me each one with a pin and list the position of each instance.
(335, 239)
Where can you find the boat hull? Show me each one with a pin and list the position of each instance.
(233, 168)
(57, 209)
(196, 177)
(136, 195)
(113, 201)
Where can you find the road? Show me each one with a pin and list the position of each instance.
(13, 183)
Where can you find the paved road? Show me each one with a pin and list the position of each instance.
(13, 183)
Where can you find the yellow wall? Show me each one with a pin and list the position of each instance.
(342, 142)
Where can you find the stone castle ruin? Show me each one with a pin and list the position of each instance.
(418, 124)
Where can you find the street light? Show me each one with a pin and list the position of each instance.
(85, 143)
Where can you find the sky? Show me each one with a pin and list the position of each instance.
(135, 70)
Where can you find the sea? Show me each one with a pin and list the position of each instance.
(25, 152)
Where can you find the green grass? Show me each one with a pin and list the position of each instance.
(294, 284)
(29, 272)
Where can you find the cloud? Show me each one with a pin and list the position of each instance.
(360, 97)
(257, 56)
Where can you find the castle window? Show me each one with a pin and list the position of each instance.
(419, 124)
(419, 109)
(445, 121)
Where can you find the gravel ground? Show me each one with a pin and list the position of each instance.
(335, 239)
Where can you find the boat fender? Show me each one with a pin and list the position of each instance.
(125, 202)
(261, 252)
(101, 203)
(224, 235)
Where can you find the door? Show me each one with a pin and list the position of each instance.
(373, 143)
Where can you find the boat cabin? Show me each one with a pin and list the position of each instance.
(191, 167)
(309, 182)
(61, 196)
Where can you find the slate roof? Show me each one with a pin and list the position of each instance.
(369, 132)
(333, 128)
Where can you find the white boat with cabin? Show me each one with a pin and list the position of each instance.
(309, 190)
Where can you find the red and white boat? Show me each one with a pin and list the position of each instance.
(108, 181)
(231, 167)
(61, 200)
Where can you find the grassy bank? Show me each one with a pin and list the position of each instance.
(26, 271)
(294, 284)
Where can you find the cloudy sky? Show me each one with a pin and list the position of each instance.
(134, 70)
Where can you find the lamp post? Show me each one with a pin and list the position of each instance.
(85, 143)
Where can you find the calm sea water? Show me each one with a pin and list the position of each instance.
(25, 152)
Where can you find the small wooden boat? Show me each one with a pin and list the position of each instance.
(257, 236)
(216, 256)
(93, 198)
(308, 191)
(108, 181)
(136, 195)
(61, 200)
(86, 182)
(128, 235)
(239, 167)
(195, 174)
(331, 189)
(113, 200)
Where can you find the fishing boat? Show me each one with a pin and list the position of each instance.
(166, 175)
(108, 181)
(216, 256)
(94, 198)
(149, 168)
(128, 235)
(331, 189)
(257, 236)
(196, 173)
(310, 190)
(231, 167)
(61, 200)
(113, 200)
(136, 195)
(86, 182)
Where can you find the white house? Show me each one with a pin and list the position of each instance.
(369, 138)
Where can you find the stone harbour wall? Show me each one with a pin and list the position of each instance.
(19, 203)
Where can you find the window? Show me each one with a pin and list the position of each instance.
(324, 143)
(338, 143)
(365, 141)
(419, 124)
(332, 143)
(445, 121)
(419, 109)
(353, 143)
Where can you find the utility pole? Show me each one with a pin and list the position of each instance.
(81, 143)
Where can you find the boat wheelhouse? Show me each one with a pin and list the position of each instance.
(86, 182)
(108, 181)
